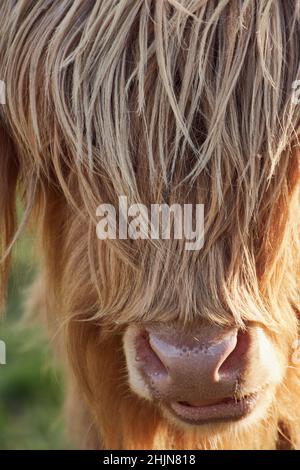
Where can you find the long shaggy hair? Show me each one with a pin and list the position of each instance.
(160, 101)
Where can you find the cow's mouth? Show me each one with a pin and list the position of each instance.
(227, 409)
(207, 376)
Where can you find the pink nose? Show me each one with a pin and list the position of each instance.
(195, 367)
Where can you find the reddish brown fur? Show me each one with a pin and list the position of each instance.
(68, 146)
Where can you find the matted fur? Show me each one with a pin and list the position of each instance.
(161, 101)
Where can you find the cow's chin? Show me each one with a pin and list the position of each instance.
(263, 374)
(207, 428)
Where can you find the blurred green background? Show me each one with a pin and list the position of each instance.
(31, 386)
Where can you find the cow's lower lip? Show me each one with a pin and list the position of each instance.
(228, 409)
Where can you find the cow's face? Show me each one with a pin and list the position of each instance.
(205, 374)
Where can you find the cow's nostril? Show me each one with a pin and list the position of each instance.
(146, 356)
(236, 357)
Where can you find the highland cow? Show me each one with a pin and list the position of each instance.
(166, 101)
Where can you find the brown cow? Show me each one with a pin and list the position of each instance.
(163, 102)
